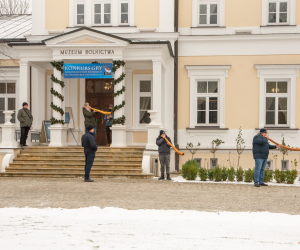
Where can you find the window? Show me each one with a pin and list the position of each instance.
(199, 161)
(80, 14)
(269, 165)
(208, 14)
(213, 163)
(102, 13)
(284, 165)
(278, 12)
(207, 102)
(145, 101)
(7, 100)
(277, 103)
(124, 13)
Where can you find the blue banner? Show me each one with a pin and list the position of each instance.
(94, 70)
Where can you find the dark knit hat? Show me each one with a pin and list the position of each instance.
(24, 103)
(263, 130)
(89, 128)
(161, 132)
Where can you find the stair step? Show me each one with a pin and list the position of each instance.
(79, 149)
(74, 170)
(81, 160)
(81, 154)
(75, 175)
(100, 167)
(66, 165)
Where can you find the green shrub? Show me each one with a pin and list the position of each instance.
(291, 176)
(231, 174)
(190, 170)
(239, 174)
(203, 174)
(279, 176)
(210, 174)
(217, 173)
(224, 174)
(249, 175)
(268, 175)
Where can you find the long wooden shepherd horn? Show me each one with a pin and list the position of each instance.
(102, 112)
(176, 150)
(288, 148)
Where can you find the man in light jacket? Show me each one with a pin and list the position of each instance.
(25, 117)
(90, 148)
(260, 154)
(164, 154)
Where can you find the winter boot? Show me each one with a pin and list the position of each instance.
(168, 177)
(162, 177)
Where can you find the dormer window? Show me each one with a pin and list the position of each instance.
(102, 13)
(125, 13)
(278, 12)
(80, 14)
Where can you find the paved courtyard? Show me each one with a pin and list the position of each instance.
(146, 194)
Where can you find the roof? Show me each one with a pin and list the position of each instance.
(14, 27)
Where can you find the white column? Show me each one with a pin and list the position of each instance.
(58, 132)
(24, 86)
(119, 130)
(128, 97)
(38, 97)
(157, 90)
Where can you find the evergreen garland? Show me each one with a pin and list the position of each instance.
(57, 109)
(119, 92)
(54, 79)
(117, 65)
(120, 120)
(60, 67)
(54, 92)
(55, 121)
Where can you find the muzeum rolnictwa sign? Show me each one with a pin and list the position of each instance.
(87, 52)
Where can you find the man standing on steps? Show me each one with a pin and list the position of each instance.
(108, 119)
(260, 151)
(90, 148)
(25, 117)
(164, 154)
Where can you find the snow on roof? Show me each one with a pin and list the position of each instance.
(15, 26)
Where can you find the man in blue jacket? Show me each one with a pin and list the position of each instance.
(90, 148)
(260, 154)
(164, 154)
(108, 119)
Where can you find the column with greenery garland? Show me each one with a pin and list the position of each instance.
(58, 130)
(119, 129)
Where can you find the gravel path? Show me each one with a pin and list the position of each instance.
(146, 194)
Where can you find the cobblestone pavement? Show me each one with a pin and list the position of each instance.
(146, 194)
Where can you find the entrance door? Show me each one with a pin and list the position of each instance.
(99, 96)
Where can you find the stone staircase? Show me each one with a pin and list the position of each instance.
(69, 162)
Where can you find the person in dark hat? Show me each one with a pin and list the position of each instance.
(25, 118)
(260, 154)
(89, 144)
(164, 154)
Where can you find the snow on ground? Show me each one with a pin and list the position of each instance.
(114, 228)
(273, 183)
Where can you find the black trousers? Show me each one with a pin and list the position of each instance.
(24, 135)
(89, 160)
(108, 130)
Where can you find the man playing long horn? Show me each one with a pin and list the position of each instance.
(164, 154)
(260, 151)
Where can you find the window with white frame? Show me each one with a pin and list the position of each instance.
(207, 102)
(124, 13)
(102, 13)
(80, 14)
(7, 100)
(278, 12)
(208, 14)
(277, 103)
(145, 101)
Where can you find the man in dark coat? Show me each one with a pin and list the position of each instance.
(25, 117)
(164, 154)
(90, 148)
(260, 154)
